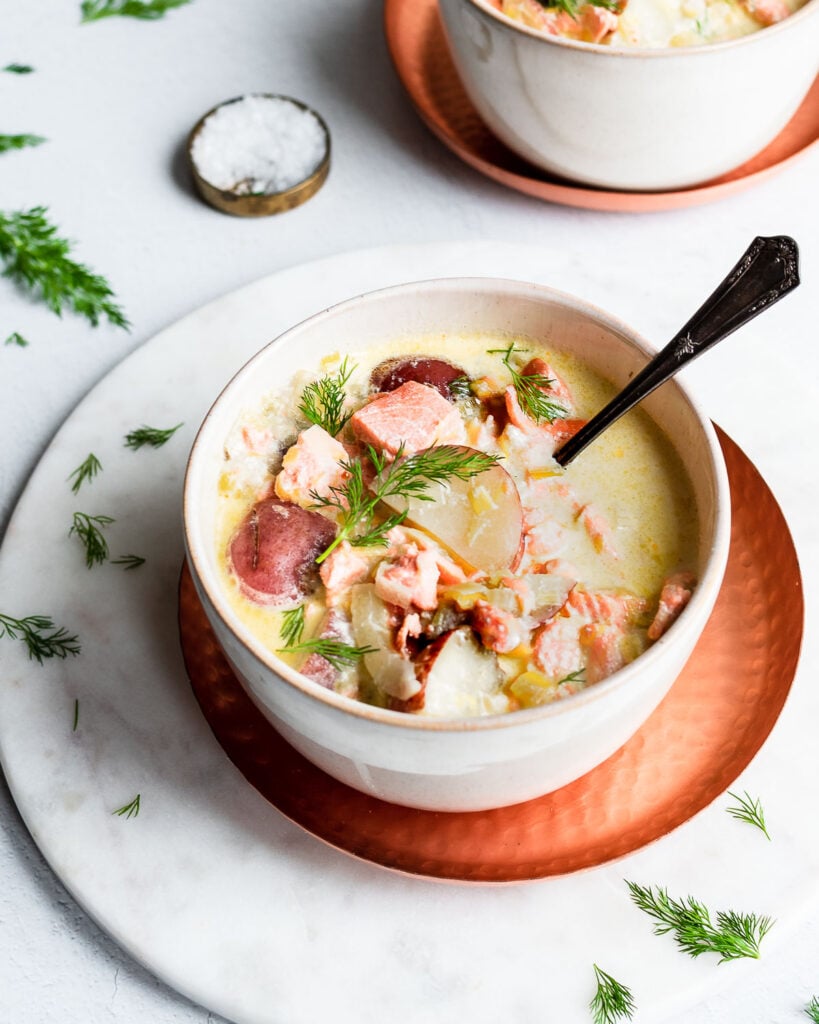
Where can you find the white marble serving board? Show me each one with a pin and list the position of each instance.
(209, 886)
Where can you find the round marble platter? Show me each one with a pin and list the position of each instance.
(209, 886)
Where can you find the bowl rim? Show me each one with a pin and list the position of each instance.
(708, 584)
(483, 8)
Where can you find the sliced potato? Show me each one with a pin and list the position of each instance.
(460, 677)
(372, 627)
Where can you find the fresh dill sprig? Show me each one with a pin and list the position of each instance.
(76, 721)
(292, 625)
(405, 477)
(812, 1009)
(129, 561)
(87, 528)
(19, 69)
(86, 470)
(146, 10)
(749, 810)
(461, 388)
(612, 1001)
(42, 638)
(153, 436)
(322, 401)
(16, 339)
(36, 259)
(578, 676)
(571, 7)
(531, 389)
(8, 142)
(339, 654)
(130, 810)
(733, 936)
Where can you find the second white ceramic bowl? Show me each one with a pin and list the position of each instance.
(632, 119)
(476, 763)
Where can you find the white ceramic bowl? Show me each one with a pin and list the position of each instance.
(634, 119)
(476, 763)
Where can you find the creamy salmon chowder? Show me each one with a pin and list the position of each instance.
(393, 525)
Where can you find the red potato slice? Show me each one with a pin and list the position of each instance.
(436, 373)
(372, 625)
(458, 677)
(480, 520)
(273, 553)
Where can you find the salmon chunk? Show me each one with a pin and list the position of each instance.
(343, 567)
(767, 12)
(414, 415)
(675, 595)
(409, 580)
(598, 22)
(311, 464)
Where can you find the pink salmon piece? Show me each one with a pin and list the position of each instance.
(604, 653)
(674, 596)
(499, 630)
(343, 567)
(410, 580)
(311, 464)
(414, 415)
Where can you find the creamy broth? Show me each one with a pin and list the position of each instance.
(612, 528)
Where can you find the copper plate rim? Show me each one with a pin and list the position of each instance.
(404, 48)
(741, 676)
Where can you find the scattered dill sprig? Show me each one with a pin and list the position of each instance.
(530, 389)
(37, 260)
(749, 810)
(146, 10)
(339, 654)
(8, 142)
(129, 561)
(16, 339)
(461, 388)
(322, 401)
(612, 1001)
(42, 638)
(732, 936)
(76, 721)
(152, 436)
(130, 810)
(292, 625)
(19, 69)
(86, 470)
(812, 1009)
(87, 528)
(405, 477)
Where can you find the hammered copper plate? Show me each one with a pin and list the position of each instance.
(705, 732)
(419, 51)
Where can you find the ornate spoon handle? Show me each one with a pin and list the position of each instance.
(767, 271)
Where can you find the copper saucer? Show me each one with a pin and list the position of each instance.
(421, 57)
(714, 720)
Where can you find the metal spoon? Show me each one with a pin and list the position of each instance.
(768, 270)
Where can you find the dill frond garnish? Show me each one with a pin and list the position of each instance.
(152, 436)
(292, 626)
(86, 470)
(16, 339)
(612, 1001)
(571, 7)
(88, 529)
(42, 638)
(407, 477)
(461, 388)
(339, 654)
(750, 810)
(578, 676)
(130, 810)
(76, 721)
(732, 935)
(530, 389)
(129, 561)
(8, 142)
(38, 261)
(145, 10)
(322, 401)
(812, 1009)
(19, 69)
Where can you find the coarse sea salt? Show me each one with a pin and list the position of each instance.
(259, 145)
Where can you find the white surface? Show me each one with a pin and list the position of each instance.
(116, 100)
